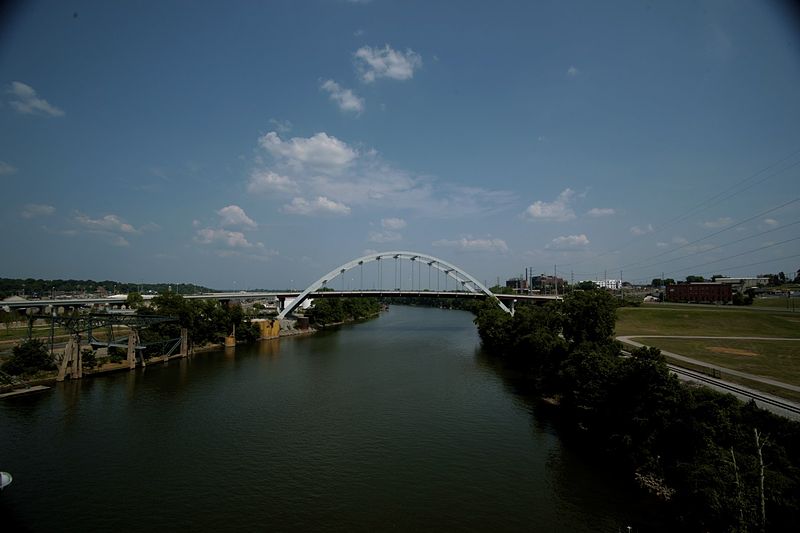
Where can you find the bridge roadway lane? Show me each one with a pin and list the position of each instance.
(245, 295)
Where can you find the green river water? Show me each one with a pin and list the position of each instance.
(398, 423)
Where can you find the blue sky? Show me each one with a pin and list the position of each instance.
(261, 144)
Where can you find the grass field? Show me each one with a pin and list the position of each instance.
(786, 304)
(657, 319)
(779, 360)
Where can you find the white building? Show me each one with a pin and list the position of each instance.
(613, 284)
(305, 304)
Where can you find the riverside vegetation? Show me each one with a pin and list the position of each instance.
(208, 322)
(719, 464)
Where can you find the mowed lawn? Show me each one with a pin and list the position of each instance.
(779, 360)
(787, 304)
(724, 321)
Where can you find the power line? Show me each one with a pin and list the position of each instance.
(710, 201)
(718, 246)
(728, 228)
(736, 255)
(755, 264)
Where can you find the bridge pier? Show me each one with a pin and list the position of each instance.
(184, 342)
(133, 341)
(72, 361)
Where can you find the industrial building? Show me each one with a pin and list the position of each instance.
(712, 292)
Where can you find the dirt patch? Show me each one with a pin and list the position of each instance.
(730, 351)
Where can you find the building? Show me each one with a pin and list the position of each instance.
(742, 284)
(613, 284)
(712, 292)
(517, 284)
(546, 282)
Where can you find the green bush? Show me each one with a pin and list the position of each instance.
(29, 357)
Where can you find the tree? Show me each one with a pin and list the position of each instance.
(589, 316)
(694, 279)
(586, 286)
(29, 357)
(134, 300)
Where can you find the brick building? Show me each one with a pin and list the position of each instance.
(699, 292)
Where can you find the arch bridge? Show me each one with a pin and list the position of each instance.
(462, 279)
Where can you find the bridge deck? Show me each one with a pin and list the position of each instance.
(244, 295)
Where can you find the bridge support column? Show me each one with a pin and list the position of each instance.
(71, 362)
(184, 342)
(133, 341)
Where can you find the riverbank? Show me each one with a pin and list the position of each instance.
(690, 443)
(283, 328)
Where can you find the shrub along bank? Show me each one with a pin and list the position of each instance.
(338, 310)
(720, 464)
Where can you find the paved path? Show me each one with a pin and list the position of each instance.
(767, 381)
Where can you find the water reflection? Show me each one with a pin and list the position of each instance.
(399, 422)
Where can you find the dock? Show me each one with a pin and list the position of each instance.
(27, 390)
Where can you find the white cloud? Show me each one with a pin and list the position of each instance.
(468, 244)
(282, 126)
(393, 223)
(642, 230)
(718, 223)
(6, 169)
(771, 222)
(558, 210)
(223, 237)
(374, 63)
(323, 166)
(680, 241)
(359, 32)
(600, 212)
(37, 210)
(319, 206)
(320, 151)
(267, 181)
(572, 71)
(28, 103)
(233, 215)
(344, 98)
(662, 244)
(108, 223)
(383, 236)
(569, 242)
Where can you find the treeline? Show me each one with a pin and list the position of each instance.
(43, 288)
(207, 321)
(337, 310)
(722, 465)
(465, 304)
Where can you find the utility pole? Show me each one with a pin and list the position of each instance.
(555, 278)
(621, 290)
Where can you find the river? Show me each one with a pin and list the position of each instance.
(396, 423)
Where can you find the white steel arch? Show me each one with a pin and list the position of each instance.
(468, 282)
